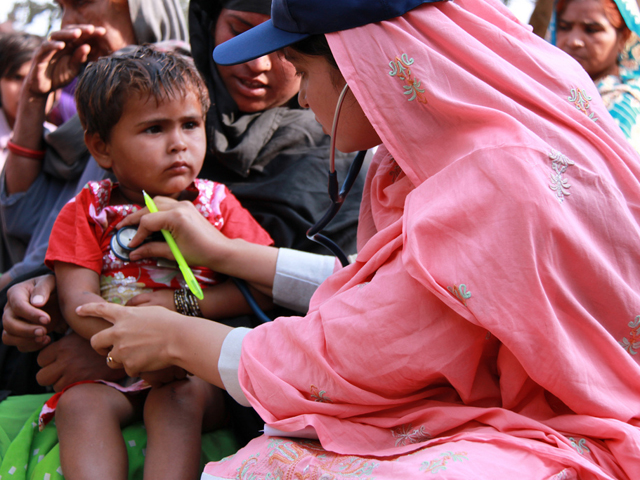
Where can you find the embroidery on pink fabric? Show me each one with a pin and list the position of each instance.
(244, 470)
(319, 395)
(581, 100)
(559, 184)
(580, 445)
(632, 345)
(563, 475)
(285, 455)
(460, 292)
(400, 68)
(405, 435)
(440, 464)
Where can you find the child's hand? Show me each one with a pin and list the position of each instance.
(166, 375)
(162, 298)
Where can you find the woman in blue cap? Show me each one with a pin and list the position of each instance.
(490, 325)
(602, 36)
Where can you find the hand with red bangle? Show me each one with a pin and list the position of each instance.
(25, 152)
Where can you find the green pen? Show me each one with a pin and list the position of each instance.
(194, 286)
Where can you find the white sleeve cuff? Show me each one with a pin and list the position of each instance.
(229, 362)
(298, 275)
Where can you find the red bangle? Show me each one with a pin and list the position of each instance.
(25, 152)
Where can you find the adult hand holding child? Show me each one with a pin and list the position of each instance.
(31, 313)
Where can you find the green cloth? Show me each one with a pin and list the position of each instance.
(30, 454)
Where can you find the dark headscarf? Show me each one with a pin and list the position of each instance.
(274, 161)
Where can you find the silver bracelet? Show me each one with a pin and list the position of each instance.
(186, 303)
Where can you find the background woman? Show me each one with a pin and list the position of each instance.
(598, 33)
(16, 52)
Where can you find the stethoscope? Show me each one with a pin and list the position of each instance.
(120, 240)
(337, 196)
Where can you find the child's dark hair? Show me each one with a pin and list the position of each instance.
(107, 84)
(16, 49)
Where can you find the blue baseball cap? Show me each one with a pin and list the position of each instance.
(294, 20)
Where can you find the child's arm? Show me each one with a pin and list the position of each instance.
(78, 286)
(220, 301)
(226, 301)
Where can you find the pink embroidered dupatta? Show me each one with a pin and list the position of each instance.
(494, 297)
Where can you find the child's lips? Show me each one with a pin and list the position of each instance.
(179, 167)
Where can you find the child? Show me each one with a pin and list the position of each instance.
(143, 116)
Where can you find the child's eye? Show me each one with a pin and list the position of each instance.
(564, 26)
(191, 125)
(153, 129)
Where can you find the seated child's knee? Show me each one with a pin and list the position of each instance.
(81, 400)
(178, 393)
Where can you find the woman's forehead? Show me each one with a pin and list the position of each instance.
(254, 6)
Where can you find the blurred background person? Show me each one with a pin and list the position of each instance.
(16, 53)
(601, 35)
(34, 189)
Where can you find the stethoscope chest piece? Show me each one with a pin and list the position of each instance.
(120, 242)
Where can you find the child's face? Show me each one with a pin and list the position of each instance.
(320, 89)
(154, 147)
(10, 91)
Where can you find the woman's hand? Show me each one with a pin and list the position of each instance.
(200, 242)
(139, 339)
(59, 59)
(146, 339)
(164, 376)
(160, 298)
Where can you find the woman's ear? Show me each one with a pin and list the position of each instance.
(99, 149)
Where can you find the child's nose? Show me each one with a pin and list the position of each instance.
(177, 143)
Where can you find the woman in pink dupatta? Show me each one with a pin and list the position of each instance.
(490, 326)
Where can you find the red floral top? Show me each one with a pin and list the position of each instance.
(82, 235)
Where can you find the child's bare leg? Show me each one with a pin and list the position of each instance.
(89, 418)
(175, 415)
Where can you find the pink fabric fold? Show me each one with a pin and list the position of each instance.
(495, 294)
